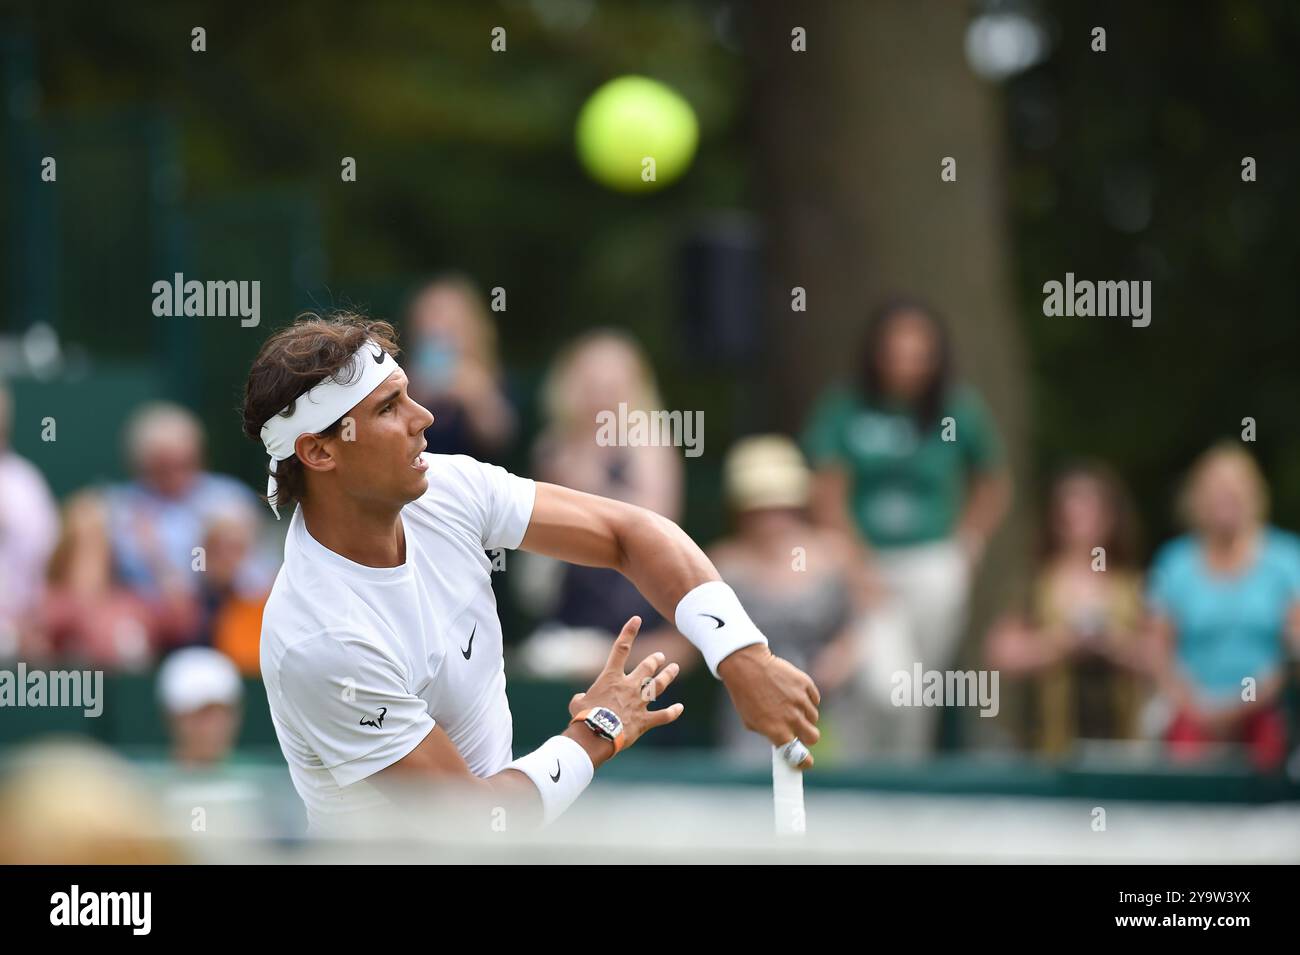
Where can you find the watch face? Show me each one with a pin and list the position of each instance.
(605, 722)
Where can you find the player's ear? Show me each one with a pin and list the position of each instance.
(312, 452)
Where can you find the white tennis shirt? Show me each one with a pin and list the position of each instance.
(361, 662)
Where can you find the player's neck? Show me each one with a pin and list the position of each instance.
(372, 538)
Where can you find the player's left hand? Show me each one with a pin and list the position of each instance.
(772, 696)
(630, 694)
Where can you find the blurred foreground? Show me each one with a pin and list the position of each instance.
(658, 809)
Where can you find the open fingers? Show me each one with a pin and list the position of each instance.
(649, 666)
(652, 690)
(663, 717)
(623, 645)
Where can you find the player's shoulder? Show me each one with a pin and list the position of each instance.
(454, 468)
(300, 663)
(305, 630)
(302, 605)
(458, 480)
(451, 480)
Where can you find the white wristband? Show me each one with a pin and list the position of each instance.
(712, 618)
(560, 769)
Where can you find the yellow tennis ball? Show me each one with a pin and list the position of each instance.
(635, 134)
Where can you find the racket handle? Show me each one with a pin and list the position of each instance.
(787, 796)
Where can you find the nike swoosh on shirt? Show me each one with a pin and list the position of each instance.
(465, 652)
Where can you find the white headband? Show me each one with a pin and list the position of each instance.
(317, 409)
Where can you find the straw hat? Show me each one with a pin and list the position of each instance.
(766, 471)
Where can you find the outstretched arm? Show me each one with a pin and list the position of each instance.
(529, 785)
(772, 697)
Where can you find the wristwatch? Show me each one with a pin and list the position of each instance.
(605, 724)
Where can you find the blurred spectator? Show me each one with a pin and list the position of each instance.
(201, 694)
(86, 616)
(215, 791)
(29, 527)
(158, 519)
(595, 373)
(75, 802)
(910, 463)
(231, 604)
(1081, 641)
(796, 580)
(454, 370)
(1222, 600)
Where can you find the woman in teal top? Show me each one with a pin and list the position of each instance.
(909, 463)
(1223, 600)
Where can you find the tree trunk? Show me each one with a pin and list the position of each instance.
(850, 139)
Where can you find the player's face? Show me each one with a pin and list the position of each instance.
(379, 457)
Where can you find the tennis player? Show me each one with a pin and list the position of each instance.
(381, 647)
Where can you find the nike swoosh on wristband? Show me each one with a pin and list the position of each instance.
(466, 651)
(721, 623)
(556, 777)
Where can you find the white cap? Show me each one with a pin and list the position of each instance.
(766, 471)
(192, 678)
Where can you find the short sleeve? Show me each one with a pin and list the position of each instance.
(822, 437)
(977, 436)
(501, 502)
(351, 705)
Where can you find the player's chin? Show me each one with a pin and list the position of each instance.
(416, 485)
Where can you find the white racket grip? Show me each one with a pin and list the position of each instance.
(787, 796)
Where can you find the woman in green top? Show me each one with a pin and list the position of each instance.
(909, 462)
